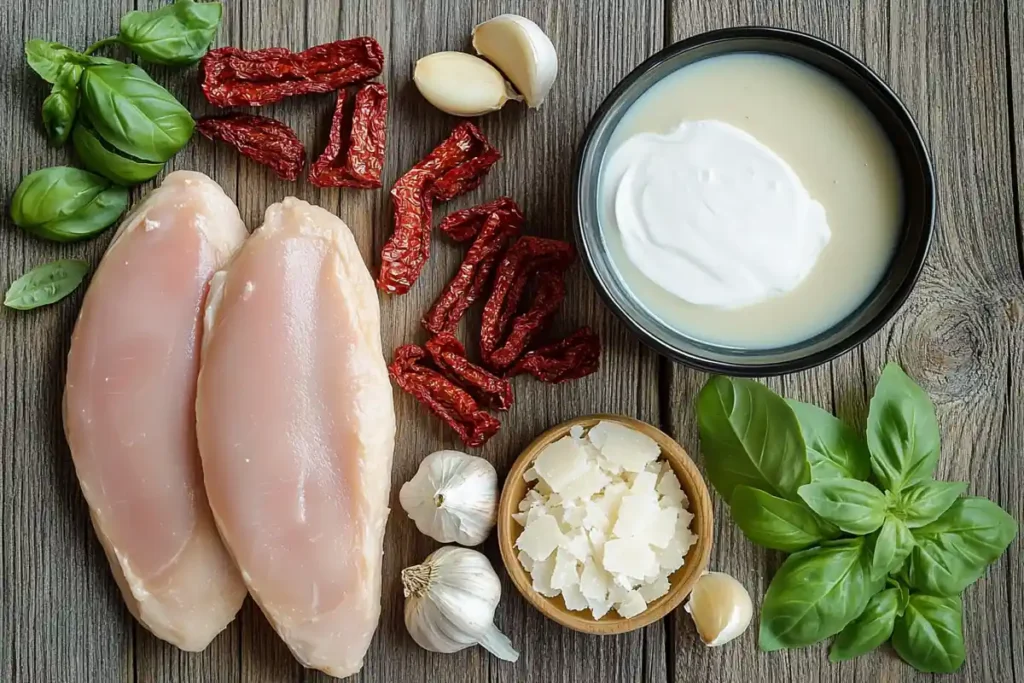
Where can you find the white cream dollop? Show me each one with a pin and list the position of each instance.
(713, 216)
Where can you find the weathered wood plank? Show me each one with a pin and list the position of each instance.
(63, 617)
(938, 332)
(597, 44)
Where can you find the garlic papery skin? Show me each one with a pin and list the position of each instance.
(453, 498)
(450, 601)
(721, 608)
(461, 84)
(522, 51)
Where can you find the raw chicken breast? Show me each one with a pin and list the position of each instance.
(129, 410)
(296, 430)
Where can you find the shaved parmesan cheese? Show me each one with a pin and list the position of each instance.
(604, 524)
(540, 537)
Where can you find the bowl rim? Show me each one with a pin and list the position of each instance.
(697, 558)
(823, 355)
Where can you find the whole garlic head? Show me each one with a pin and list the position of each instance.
(450, 601)
(461, 84)
(720, 607)
(452, 498)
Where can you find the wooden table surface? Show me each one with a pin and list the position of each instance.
(959, 66)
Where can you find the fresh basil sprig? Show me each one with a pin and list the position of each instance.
(46, 284)
(65, 204)
(916, 534)
(174, 35)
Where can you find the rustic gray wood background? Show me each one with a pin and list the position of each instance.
(958, 64)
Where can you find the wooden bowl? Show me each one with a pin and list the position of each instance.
(681, 581)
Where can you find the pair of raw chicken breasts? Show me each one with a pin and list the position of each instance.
(232, 424)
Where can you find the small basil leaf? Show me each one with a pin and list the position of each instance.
(834, 449)
(872, 628)
(98, 158)
(750, 436)
(46, 58)
(854, 506)
(133, 113)
(903, 434)
(904, 596)
(777, 523)
(953, 552)
(65, 204)
(893, 544)
(174, 35)
(815, 594)
(46, 284)
(929, 636)
(61, 106)
(923, 503)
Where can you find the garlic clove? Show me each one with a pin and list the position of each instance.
(461, 84)
(720, 607)
(522, 51)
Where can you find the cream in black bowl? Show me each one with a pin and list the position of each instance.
(753, 201)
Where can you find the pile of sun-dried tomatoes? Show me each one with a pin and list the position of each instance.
(521, 276)
(525, 278)
(354, 156)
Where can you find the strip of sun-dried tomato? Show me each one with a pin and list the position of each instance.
(464, 225)
(264, 140)
(575, 356)
(450, 356)
(455, 166)
(469, 281)
(354, 156)
(450, 402)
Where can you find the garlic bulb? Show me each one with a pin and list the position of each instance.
(720, 607)
(450, 601)
(461, 84)
(452, 498)
(522, 51)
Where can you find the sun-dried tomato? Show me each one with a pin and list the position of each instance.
(578, 355)
(264, 140)
(450, 356)
(235, 77)
(531, 259)
(455, 166)
(354, 156)
(464, 225)
(473, 275)
(451, 403)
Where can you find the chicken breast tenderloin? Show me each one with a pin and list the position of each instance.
(296, 430)
(129, 410)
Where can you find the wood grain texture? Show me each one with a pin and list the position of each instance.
(953, 336)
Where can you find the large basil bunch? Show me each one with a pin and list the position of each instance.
(881, 550)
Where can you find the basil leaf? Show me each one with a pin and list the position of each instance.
(903, 434)
(96, 157)
(904, 595)
(929, 636)
(815, 594)
(892, 545)
(923, 503)
(64, 204)
(46, 284)
(750, 436)
(953, 552)
(872, 628)
(834, 449)
(173, 35)
(47, 58)
(777, 523)
(61, 106)
(133, 113)
(854, 506)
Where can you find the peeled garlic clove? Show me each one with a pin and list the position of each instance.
(452, 497)
(720, 607)
(522, 51)
(461, 84)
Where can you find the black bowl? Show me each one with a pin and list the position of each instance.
(880, 305)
